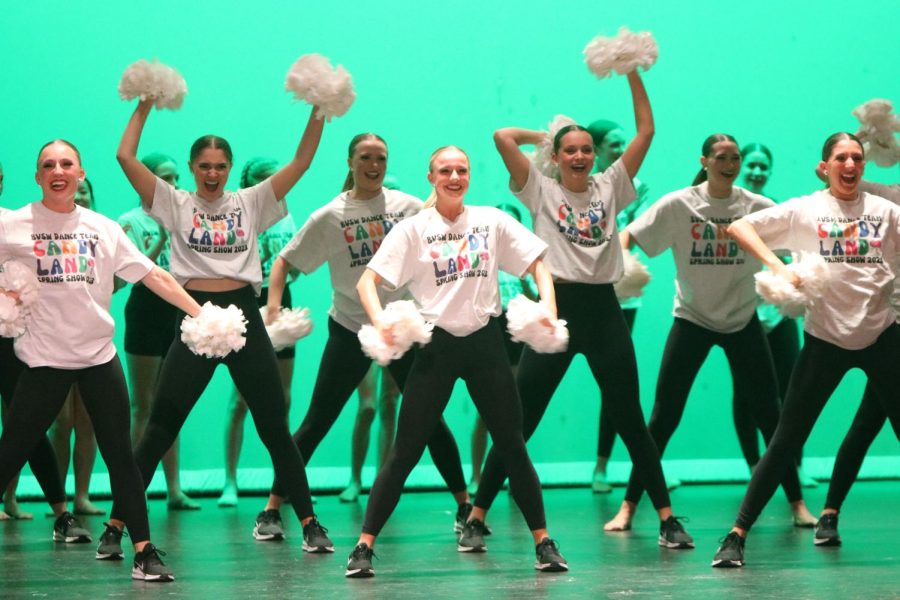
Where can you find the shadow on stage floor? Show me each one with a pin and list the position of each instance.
(215, 556)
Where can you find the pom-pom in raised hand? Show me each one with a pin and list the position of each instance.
(878, 126)
(623, 53)
(635, 277)
(291, 325)
(542, 157)
(814, 275)
(407, 327)
(527, 322)
(153, 81)
(313, 80)
(216, 331)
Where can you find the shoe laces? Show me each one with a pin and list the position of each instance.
(553, 544)
(478, 525)
(364, 551)
(270, 515)
(731, 537)
(150, 551)
(116, 530)
(675, 523)
(314, 525)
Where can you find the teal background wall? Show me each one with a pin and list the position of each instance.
(435, 73)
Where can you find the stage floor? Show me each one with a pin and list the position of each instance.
(215, 556)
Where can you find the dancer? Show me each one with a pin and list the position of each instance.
(346, 233)
(715, 305)
(271, 241)
(214, 255)
(76, 254)
(851, 325)
(782, 333)
(609, 145)
(150, 327)
(575, 215)
(450, 256)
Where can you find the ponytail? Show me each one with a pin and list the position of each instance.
(707, 149)
(354, 142)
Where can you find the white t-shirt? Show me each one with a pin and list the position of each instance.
(714, 285)
(625, 217)
(452, 266)
(892, 193)
(271, 242)
(212, 240)
(345, 233)
(858, 239)
(143, 232)
(75, 256)
(580, 228)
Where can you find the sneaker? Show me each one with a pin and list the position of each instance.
(315, 538)
(672, 534)
(148, 565)
(268, 526)
(359, 564)
(472, 537)
(548, 557)
(730, 552)
(827, 531)
(68, 529)
(110, 547)
(462, 515)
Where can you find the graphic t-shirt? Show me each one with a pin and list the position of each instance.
(218, 239)
(452, 267)
(714, 285)
(271, 242)
(892, 193)
(858, 239)
(346, 233)
(75, 256)
(580, 227)
(143, 232)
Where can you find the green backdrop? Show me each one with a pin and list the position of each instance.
(434, 73)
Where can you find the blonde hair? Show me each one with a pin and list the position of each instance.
(432, 197)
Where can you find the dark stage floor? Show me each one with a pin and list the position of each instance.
(215, 556)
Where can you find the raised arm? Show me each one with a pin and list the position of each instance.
(288, 175)
(508, 141)
(745, 235)
(544, 282)
(164, 285)
(634, 154)
(141, 178)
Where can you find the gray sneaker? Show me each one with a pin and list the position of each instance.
(68, 529)
(148, 565)
(730, 553)
(315, 538)
(548, 557)
(827, 531)
(672, 534)
(110, 547)
(359, 564)
(268, 526)
(472, 537)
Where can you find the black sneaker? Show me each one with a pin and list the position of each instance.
(360, 562)
(68, 529)
(268, 526)
(672, 534)
(730, 552)
(110, 547)
(827, 531)
(315, 538)
(148, 565)
(462, 515)
(548, 557)
(472, 537)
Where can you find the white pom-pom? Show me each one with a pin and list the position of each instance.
(814, 275)
(526, 322)
(291, 325)
(12, 317)
(541, 157)
(16, 277)
(623, 53)
(878, 126)
(216, 331)
(153, 81)
(635, 277)
(313, 80)
(407, 327)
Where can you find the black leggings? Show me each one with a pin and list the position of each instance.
(480, 360)
(819, 370)
(341, 369)
(866, 425)
(753, 381)
(606, 437)
(784, 342)
(42, 459)
(597, 329)
(185, 375)
(39, 397)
